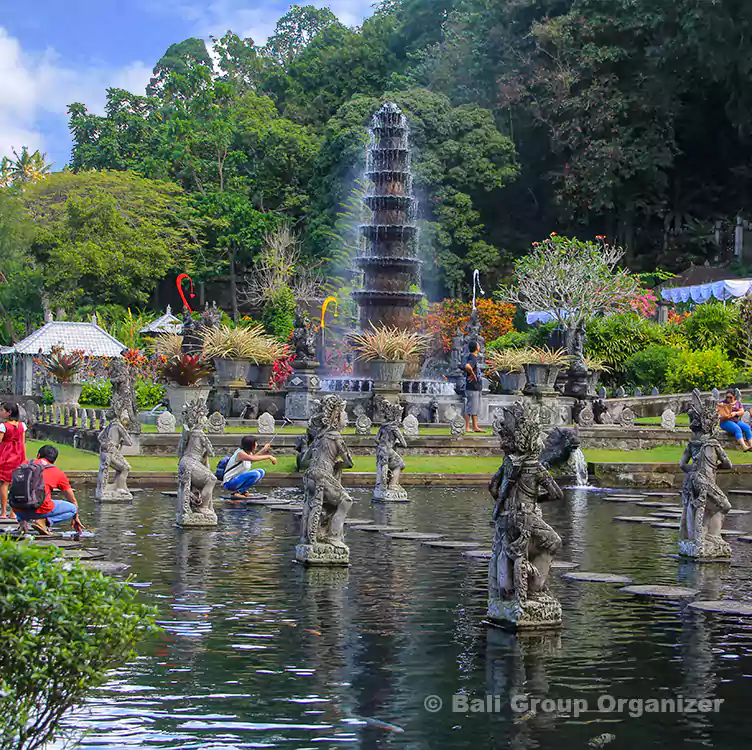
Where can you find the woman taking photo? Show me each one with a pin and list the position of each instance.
(12, 450)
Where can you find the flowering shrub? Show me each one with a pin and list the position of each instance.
(281, 371)
(645, 303)
(677, 318)
(444, 318)
(704, 370)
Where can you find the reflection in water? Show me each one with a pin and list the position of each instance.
(259, 652)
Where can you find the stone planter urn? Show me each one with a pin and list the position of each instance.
(180, 395)
(540, 378)
(231, 371)
(258, 375)
(512, 383)
(387, 371)
(66, 393)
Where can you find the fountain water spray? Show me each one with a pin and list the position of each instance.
(476, 280)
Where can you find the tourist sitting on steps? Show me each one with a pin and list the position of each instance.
(730, 410)
(238, 476)
(31, 494)
(473, 387)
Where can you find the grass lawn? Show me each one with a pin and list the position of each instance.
(661, 454)
(682, 420)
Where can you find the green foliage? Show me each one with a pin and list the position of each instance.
(541, 335)
(648, 368)
(279, 313)
(62, 631)
(96, 393)
(47, 397)
(512, 340)
(148, 394)
(716, 326)
(704, 370)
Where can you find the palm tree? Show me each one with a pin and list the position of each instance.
(5, 176)
(28, 167)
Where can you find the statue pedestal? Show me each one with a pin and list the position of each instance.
(302, 387)
(541, 613)
(196, 519)
(577, 384)
(390, 495)
(711, 549)
(111, 495)
(322, 554)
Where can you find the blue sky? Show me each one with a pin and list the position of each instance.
(54, 52)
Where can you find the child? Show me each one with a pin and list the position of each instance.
(239, 475)
(12, 450)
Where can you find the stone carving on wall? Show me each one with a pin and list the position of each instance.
(266, 424)
(457, 427)
(166, 422)
(251, 409)
(705, 506)
(627, 417)
(559, 445)
(196, 480)
(216, 423)
(411, 426)
(668, 420)
(433, 408)
(111, 441)
(389, 463)
(326, 502)
(524, 544)
(583, 414)
(363, 425)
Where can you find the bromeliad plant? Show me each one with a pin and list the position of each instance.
(385, 343)
(61, 366)
(183, 369)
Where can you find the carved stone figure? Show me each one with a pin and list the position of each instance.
(668, 420)
(196, 480)
(251, 409)
(524, 544)
(192, 341)
(363, 425)
(224, 403)
(326, 503)
(577, 373)
(166, 422)
(620, 392)
(560, 443)
(266, 424)
(583, 414)
(216, 423)
(433, 407)
(123, 401)
(211, 317)
(627, 418)
(111, 441)
(457, 345)
(705, 506)
(601, 412)
(389, 463)
(303, 338)
(457, 427)
(411, 426)
(304, 443)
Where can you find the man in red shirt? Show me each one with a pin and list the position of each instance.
(54, 511)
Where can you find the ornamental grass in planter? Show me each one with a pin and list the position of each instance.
(506, 367)
(542, 365)
(387, 350)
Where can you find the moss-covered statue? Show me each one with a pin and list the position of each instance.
(524, 544)
(705, 506)
(389, 463)
(326, 503)
(196, 480)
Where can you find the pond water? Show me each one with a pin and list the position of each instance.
(257, 652)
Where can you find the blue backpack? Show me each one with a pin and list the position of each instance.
(221, 466)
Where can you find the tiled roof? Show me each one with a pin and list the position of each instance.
(166, 323)
(89, 337)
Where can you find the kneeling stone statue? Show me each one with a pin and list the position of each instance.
(326, 503)
(196, 480)
(524, 544)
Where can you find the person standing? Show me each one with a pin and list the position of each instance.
(473, 387)
(12, 450)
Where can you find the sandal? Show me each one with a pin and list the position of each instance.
(41, 527)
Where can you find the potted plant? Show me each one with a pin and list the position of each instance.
(596, 367)
(507, 368)
(387, 351)
(63, 369)
(183, 375)
(541, 368)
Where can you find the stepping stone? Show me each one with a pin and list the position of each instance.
(633, 519)
(478, 554)
(108, 568)
(665, 525)
(252, 498)
(735, 512)
(564, 565)
(663, 494)
(169, 493)
(665, 514)
(358, 521)
(596, 577)
(620, 500)
(289, 506)
(82, 554)
(55, 542)
(378, 527)
(731, 532)
(415, 536)
(452, 545)
(726, 606)
(747, 539)
(654, 504)
(669, 592)
(741, 492)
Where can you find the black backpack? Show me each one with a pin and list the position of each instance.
(27, 491)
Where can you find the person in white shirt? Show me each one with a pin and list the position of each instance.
(239, 474)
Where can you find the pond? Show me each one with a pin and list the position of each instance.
(258, 652)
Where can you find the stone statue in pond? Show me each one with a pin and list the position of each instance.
(123, 401)
(704, 504)
(111, 441)
(389, 463)
(524, 544)
(304, 443)
(326, 503)
(303, 338)
(196, 480)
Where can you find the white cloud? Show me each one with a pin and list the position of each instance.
(36, 88)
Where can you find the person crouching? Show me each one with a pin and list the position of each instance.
(239, 475)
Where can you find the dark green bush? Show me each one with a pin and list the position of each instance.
(148, 395)
(704, 370)
(648, 368)
(541, 335)
(716, 326)
(62, 629)
(511, 340)
(279, 314)
(96, 393)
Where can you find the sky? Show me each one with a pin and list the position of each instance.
(56, 52)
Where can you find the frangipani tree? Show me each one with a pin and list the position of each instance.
(575, 282)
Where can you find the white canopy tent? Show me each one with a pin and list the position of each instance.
(720, 290)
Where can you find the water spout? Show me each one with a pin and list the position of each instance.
(578, 467)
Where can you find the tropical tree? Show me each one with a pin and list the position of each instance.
(24, 168)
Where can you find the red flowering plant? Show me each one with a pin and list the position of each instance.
(183, 369)
(281, 371)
